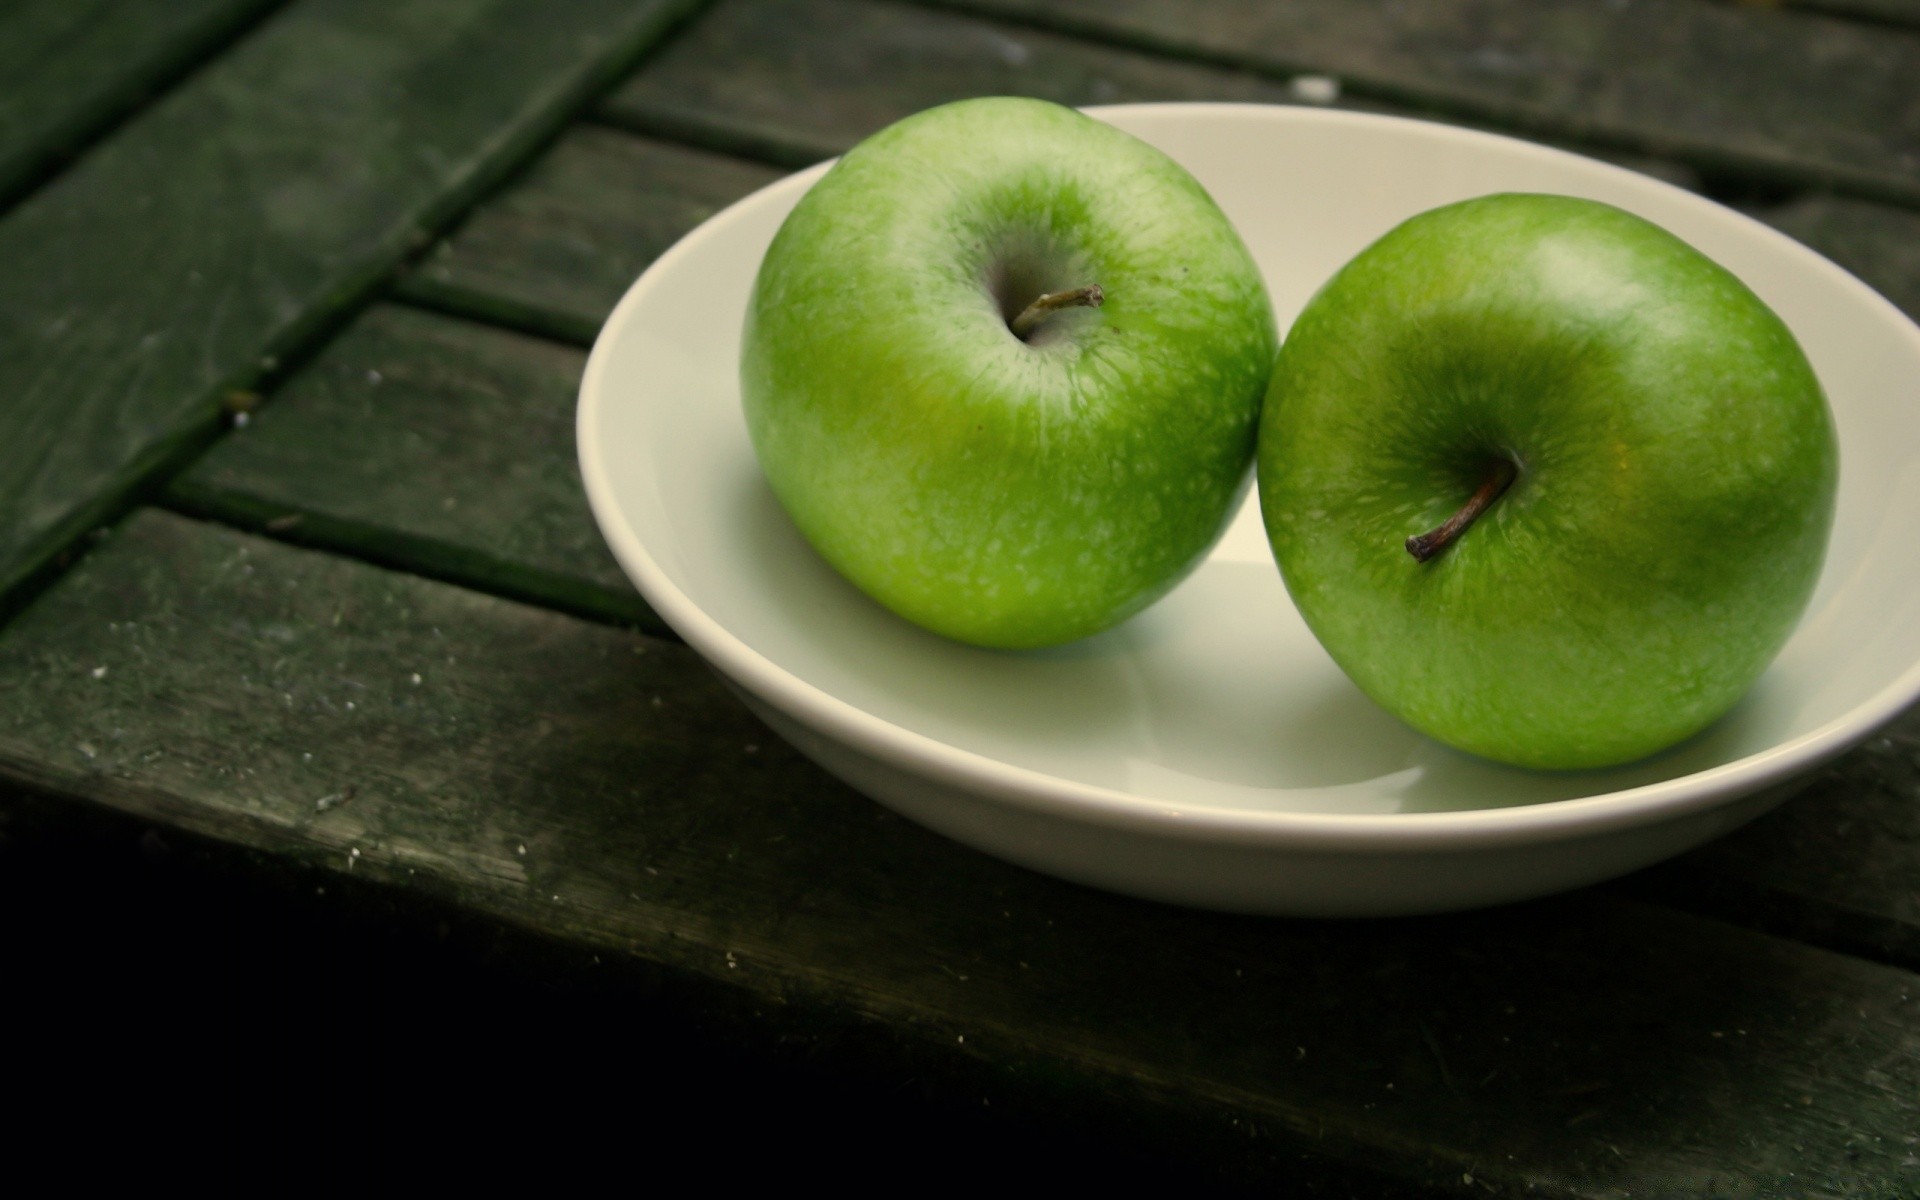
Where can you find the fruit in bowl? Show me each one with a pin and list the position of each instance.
(1003, 366)
(1546, 482)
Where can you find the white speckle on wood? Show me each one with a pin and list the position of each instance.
(1315, 89)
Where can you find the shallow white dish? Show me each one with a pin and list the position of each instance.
(1208, 752)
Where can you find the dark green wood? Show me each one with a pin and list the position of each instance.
(604, 790)
(727, 82)
(1777, 93)
(1838, 865)
(426, 442)
(1878, 243)
(732, 79)
(69, 67)
(239, 215)
(556, 251)
(1898, 12)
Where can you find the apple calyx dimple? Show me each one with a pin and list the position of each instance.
(1090, 296)
(1500, 475)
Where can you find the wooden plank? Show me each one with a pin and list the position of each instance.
(420, 440)
(1898, 12)
(556, 251)
(731, 80)
(226, 224)
(726, 83)
(71, 67)
(1838, 865)
(1878, 243)
(1777, 93)
(604, 790)
(221, 952)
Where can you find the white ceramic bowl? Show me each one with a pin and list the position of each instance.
(1208, 752)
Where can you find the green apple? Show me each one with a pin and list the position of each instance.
(1003, 367)
(1546, 482)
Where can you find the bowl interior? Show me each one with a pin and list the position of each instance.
(1218, 697)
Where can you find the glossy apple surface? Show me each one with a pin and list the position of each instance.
(1673, 467)
(1009, 490)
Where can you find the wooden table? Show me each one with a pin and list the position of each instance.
(298, 576)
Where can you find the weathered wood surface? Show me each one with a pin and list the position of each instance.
(230, 221)
(726, 82)
(303, 999)
(432, 444)
(731, 80)
(1781, 93)
(1838, 865)
(603, 788)
(1898, 12)
(1877, 242)
(556, 251)
(69, 67)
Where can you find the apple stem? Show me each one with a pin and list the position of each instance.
(1500, 475)
(1090, 296)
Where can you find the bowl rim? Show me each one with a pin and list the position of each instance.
(1051, 795)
